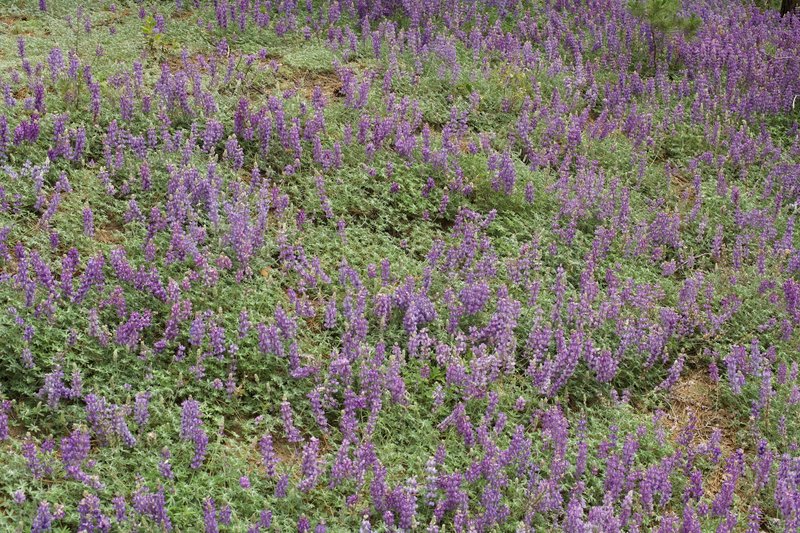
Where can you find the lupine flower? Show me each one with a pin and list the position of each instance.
(292, 433)
(281, 486)
(74, 451)
(43, 521)
(91, 516)
(310, 467)
(191, 430)
(210, 516)
(5, 408)
(152, 505)
(120, 508)
(141, 411)
(268, 456)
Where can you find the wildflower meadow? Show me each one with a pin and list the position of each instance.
(399, 265)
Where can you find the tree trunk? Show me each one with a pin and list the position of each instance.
(787, 6)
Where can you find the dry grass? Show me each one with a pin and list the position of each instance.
(11, 25)
(694, 400)
(683, 189)
(695, 395)
(108, 236)
(306, 81)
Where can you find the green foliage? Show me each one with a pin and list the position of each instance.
(313, 57)
(664, 16)
(665, 19)
(155, 40)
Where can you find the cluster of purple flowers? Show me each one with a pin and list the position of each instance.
(191, 430)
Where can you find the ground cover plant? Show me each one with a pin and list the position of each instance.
(399, 265)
